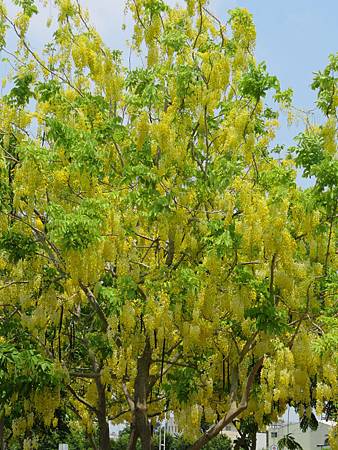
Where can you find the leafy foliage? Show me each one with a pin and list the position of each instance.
(154, 251)
(289, 443)
(326, 84)
(21, 93)
(28, 6)
(256, 82)
(17, 245)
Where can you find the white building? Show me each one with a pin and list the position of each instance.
(309, 440)
(115, 430)
(231, 431)
(170, 425)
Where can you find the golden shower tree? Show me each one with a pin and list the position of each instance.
(153, 249)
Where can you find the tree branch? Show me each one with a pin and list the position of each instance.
(82, 400)
(37, 59)
(94, 303)
(234, 409)
(128, 397)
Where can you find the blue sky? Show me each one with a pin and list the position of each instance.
(294, 37)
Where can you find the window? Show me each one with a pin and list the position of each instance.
(274, 434)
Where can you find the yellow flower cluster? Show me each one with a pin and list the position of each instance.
(329, 133)
(45, 403)
(141, 129)
(189, 419)
(91, 393)
(30, 443)
(22, 22)
(243, 28)
(19, 426)
(333, 438)
(86, 265)
(127, 317)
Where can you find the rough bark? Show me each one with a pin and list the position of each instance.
(142, 425)
(2, 429)
(133, 438)
(102, 416)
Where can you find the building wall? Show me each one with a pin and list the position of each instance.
(308, 440)
(232, 433)
(261, 441)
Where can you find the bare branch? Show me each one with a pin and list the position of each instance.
(38, 60)
(234, 409)
(128, 397)
(80, 374)
(82, 400)
(248, 346)
(200, 24)
(272, 273)
(121, 413)
(92, 300)
(11, 283)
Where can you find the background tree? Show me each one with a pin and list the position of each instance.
(289, 442)
(247, 434)
(152, 245)
(30, 389)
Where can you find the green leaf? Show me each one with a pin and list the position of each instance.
(28, 6)
(17, 245)
(21, 93)
(256, 82)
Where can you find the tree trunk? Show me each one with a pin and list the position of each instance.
(253, 441)
(104, 441)
(2, 430)
(104, 433)
(142, 425)
(133, 438)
